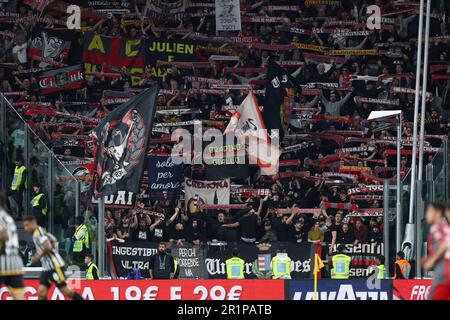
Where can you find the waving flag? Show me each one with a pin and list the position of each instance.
(122, 138)
(280, 90)
(247, 123)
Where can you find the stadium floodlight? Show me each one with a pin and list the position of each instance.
(378, 115)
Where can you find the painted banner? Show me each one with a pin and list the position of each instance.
(411, 289)
(106, 5)
(164, 177)
(328, 289)
(197, 192)
(111, 54)
(51, 45)
(191, 260)
(228, 15)
(301, 255)
(162, 290)
(165, 10)
(56, 80)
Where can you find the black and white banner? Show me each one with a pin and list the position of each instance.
(191, 260)
(164, 177)
(136, 255)
(228, 15)
(302, 256)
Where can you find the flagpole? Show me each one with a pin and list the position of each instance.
(101, 237)
(315, 276)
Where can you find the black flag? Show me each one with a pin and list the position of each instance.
(280, 92)
(122, 139)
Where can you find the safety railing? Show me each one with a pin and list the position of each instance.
(61, 188)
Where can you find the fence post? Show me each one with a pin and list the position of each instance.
(101, 236)
(50, 193)
(4, 144)
(445, 170)
(386, 223)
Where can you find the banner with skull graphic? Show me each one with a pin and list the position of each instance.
(122, 138)
(48, 45)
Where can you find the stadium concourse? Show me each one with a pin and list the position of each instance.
(326, 71)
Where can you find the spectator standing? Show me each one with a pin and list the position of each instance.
(162, 265)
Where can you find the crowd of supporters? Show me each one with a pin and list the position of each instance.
(345, 155)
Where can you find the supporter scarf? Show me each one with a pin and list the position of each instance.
(397, 75)
(290, 63)
(323, 2)
(350, 33)
(14, 93)
(296, 210)
(339, 205)
(31, 70)
(360, 170)
(408, 90)
(317, 58)
(352, 149)
(333, 118)
(367, 52)
(264, 19)
(223, 58)
(329, 136)
(251, 192)
(238, 39)
(232, 86)
(352, 177)
(372, 212)
(49, 61)
(366, 197)
(436, 68)
(376, 101)
(288, 7)
(295, 30)
(437, 77)
(345, 133)
(366, 189)
(272, 47)
(290, 174)
(322, 165)
(311, 47)
(205, 206)
(178, 124)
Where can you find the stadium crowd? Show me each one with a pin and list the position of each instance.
(346, 156)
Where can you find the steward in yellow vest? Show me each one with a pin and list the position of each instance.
(92, 269)
(18, 186)
(235, 266)
(281, 265)
(80, 240)
(341, 264)
(39, 205)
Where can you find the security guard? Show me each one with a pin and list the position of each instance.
(281, 264)
(176, 269)
(382, 274)
(402, 268)
(80, 240)
(91, 267)
(235, 266)
(341, 264)
(39, 205)
(18, 184)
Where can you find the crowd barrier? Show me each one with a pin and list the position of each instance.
(236, 290)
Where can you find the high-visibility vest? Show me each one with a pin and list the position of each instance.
(35, 202)
(281, 267)
(381, 271)
(235, 268)
(89, 274)
(175, 265)
(78, 244)
(341, 266)
(18, 177)
(405, 268)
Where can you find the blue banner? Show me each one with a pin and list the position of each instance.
(164, 177)
(328, 289)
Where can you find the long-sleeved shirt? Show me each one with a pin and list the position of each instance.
(334, 108)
